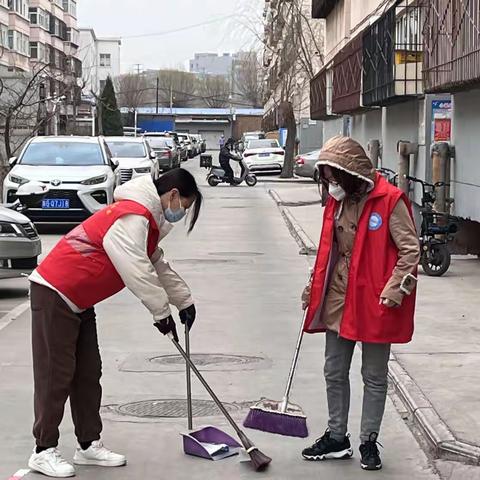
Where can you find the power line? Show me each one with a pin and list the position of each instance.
(181, 29)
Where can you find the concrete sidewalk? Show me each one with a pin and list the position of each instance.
(437, 374)
(246, 275)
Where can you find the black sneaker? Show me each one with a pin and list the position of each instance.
(370, 454)
(326, 448)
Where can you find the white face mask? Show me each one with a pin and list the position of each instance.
(337, 192)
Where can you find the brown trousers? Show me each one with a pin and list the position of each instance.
(66, 363)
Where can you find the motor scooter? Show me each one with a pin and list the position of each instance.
(216, 174)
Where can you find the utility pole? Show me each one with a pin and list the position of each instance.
(158, 93)
(171, 98)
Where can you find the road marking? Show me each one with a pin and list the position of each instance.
(7, 319)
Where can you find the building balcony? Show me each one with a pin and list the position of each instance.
(323, 8)
(347, 78)
(321, 95)
(393, 56)
(452, 46)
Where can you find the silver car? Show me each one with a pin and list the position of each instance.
(20, 244)
(306, 165)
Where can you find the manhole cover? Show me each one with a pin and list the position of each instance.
(238, 254)
(207, 362)
(207, 359)
(173, 408)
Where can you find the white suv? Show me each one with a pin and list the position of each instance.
(134, 155)
(79, 171)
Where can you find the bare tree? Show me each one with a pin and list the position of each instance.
(250, 79)
(293, 48)
(132, 90)
(23, 108)
(215, 90)
(176, 87)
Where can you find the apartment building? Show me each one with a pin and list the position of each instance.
(293, 53)
(100, 58)
(390, 69)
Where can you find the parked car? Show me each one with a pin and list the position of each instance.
(20, 244)
(135, 156)
(202, 144)
(306, 165)
(247, 136)
(79, 171)
(133, 132)
(181, 147)
(264, 156)
(187, 140)
(164, 146)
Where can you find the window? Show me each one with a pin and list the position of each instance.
(3, 35)
(18, 42)
(58, 28)
(59, 3)
(73, 36)
(19, 6)
(127, 149)
(63, 153)
(102, 85)
(4, 3)
(105, 60)
(70, 6)
(40, 17)
(38, 51)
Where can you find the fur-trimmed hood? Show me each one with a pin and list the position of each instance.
(348, 155)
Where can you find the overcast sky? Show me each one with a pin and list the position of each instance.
(130, 18)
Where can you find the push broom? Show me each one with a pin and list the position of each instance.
(258, 459)
(280, 417)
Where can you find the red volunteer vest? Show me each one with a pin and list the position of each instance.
(374, 257)
(79, 267)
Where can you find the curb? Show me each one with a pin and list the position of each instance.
(432, 427)
(307, 246)
(421, 411)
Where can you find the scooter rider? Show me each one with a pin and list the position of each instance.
(225, 156)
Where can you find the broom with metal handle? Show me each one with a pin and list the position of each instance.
(281, 417)
(258, 459)
(189, 379)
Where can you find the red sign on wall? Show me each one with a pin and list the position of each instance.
(442, 130)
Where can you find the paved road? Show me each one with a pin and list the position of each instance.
(245, 272)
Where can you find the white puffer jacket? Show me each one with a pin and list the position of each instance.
(151, 280)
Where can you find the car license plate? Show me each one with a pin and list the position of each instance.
(264, 155)
(56, 203)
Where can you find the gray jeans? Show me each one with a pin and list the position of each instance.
(338, 357)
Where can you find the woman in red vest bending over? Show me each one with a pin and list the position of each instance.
(362, 290)
(115, 248)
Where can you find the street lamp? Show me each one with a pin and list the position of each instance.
(55, 102)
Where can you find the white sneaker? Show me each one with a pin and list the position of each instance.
(98, 455)
(50, 463)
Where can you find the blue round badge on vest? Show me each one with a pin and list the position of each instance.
(375, 221)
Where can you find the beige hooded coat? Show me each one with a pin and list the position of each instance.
(346, 154)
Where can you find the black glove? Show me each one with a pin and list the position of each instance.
(166, 326)
(188, 315)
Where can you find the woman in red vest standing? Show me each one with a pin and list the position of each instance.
(115, 248)
(362, 290)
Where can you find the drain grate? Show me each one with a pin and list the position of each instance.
(173, 408)
(207, 359)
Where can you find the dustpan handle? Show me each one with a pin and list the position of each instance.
(189, 379)
(284, 404)
(207, 387)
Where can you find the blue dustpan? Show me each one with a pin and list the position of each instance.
(211, 443)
